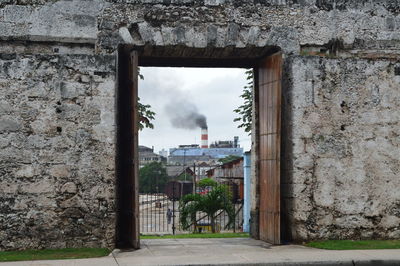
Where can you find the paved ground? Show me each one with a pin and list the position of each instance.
(234, 251)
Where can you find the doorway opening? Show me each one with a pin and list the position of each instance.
(195, 147)
(265, 189)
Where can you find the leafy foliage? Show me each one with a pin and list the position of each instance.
(228, 159)
(145, 115)
(53, 254)
(145, 112)
(197, 235)
(207, 182)
(245, 110)
(219, 198)
(152, 178)
(355, 244)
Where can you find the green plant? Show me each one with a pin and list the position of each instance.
(53, 254)
(245, 110)
(152, 178)
(207, 182)
(355, 244)
(146, 115)
(196, 235)
(229, 158)
(218, 199)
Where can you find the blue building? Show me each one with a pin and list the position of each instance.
(189, 154)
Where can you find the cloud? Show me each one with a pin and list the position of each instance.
(213, 93)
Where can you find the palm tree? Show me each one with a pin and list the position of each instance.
(219, 198)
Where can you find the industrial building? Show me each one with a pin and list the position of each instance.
(147, 155)
(190, 154)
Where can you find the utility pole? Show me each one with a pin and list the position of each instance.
(194, 177)
(173, 206)
(184, 163)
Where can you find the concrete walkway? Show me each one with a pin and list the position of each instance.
(228, 251)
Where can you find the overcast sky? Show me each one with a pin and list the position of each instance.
(213, 91)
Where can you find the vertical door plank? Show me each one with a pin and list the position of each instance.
(127, 227)
(269, 86)
(134, 71)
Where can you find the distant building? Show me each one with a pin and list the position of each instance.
(163, 153)
(226, 143)
(147, 155)
(174, 171)
(200, 168)
(232, 174)
(190, 154)
(232, 170)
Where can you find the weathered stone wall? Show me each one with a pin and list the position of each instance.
(289, 24)
(344, 130)
(57, 130)
(56, 151)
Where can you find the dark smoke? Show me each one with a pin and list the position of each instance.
(184, 114)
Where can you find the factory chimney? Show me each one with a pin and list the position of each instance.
(204, 138)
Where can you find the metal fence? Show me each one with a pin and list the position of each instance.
(160, 215)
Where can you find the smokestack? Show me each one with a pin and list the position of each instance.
(204, 138)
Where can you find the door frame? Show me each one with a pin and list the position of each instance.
(127, 159)
(268, 85)
(127, 193)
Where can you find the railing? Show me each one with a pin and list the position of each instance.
(160, 215)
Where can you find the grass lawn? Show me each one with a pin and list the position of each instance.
(355, 244)
(53, 254)
(203, 235)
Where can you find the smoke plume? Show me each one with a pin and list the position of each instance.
(184, 114)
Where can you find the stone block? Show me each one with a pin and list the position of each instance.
(20, 205)
(72, 213)
(352, 222)
(17, 13)
(232, 34)
(9, 125)
(42, 186)
(60, 171)
(146, 33)
(4, 141)
(394, 234)
(214, 2)
(390, 221)
(212, 35)
(5, 107)
(196, 38)
(70, 90)
(101, 192)
(45, 201)
(26, 171)
(253, 35)
(69, 187)
(8, 188)
(106, 88)
(103, 133)
(74, 202)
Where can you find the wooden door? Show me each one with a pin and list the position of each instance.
(269, 110)
(127, 229)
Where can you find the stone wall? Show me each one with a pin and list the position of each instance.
(291, 25)
(57, 125)
(56, 151)
(344, 127)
